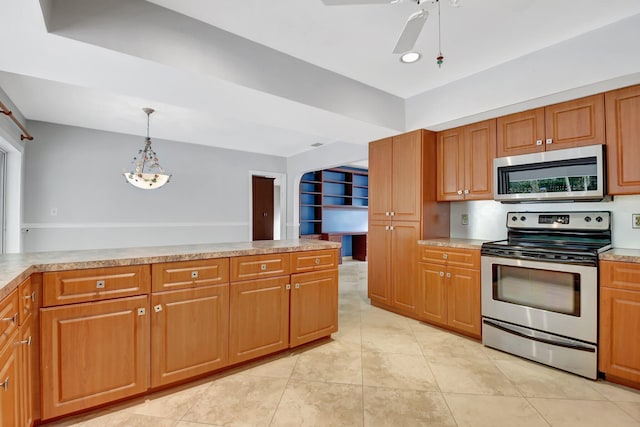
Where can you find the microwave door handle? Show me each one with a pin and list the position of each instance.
(542, 340)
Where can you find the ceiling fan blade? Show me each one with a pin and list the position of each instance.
(350, 2)
(411, 31)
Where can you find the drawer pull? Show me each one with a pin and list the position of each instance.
(5, 385)
(317, 261)
(297, 285)
(263, 267)
(13, 318)
(100, 284)
(27, 341)
(32, 297)
(194, 274)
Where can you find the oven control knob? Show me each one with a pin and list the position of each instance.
(587, 219)
(599, 219)
(514, 218)
(523, 218)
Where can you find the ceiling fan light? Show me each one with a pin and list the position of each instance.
(410, 57)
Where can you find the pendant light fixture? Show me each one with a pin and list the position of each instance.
(145, 171)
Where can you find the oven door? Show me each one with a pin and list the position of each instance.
(560, 299)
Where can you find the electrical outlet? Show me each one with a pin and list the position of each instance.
(465, 219)
(635, 222)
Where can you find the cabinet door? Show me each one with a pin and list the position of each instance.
(93, 353)
(450, 167)
(404, 270)
(575, 123)
(479, 152)
(27, 356)
(407, 183)
(379, 266)
(463, 297)
(623, 140)
(432, 294)
(520, 133)
(189, 333)
(619, 329)
(380, 178)
(314, 306)
(9, 384)
(259, 318)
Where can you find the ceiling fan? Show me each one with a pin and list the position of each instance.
(414, 24)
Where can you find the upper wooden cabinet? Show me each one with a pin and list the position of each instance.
(465, 162)
(564, 125)
(395, 177)
(623, 140)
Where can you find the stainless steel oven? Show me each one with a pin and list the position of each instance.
(540, 288)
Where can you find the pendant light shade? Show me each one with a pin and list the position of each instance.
(145, 171)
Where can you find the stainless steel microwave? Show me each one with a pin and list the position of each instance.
(571, 174)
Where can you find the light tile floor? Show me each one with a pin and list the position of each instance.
(382, 369)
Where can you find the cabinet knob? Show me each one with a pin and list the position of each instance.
(297, 285)
(263, 267)
(445, 256)
(387, 214)
(539, 142)
(157, 308)
(288, 286)
(441, 273)
(448, 275)
(141, 311)
(386, 227)
(13, 318)
(391, 228)
(549, 141)
(317, 261)
(393, 213)
(459, 192)
(5, 385)
(100, 284)
(466, 191)
(194, 274)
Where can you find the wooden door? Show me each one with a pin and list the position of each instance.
(314, 306)
(463, 299)
(623, 140)
(479, 152)
(262, 199)
(258, 318)
(520, 133)
(380, 179)
(93, 353)
(432, 293)
(379, 266)
(450, 166)
(27, 356)
(619, 329)
(189, 333)
(406, 201)
(575, 123)
(10, 383)
(404, 268)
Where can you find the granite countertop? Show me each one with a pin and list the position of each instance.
(621, 254)
(14, 268)
(453, 243)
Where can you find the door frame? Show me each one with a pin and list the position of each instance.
(280, 180)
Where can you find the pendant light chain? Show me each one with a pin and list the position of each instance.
(440, 58)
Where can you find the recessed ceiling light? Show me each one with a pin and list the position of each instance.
(410, 57)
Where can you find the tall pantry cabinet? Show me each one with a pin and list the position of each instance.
(402, 210)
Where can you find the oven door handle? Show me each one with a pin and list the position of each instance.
(543, 340)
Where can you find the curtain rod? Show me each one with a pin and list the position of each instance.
(25, 134)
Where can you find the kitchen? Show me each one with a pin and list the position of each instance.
(92, 210)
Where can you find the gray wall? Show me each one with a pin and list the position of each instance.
(78, 172)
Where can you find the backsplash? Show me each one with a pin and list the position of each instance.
(487, 219)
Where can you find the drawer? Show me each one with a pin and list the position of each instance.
(95, 284)
(26, 300)
(189, 274)
(314, 260)
(620, 275)
(8, 319)
(455, 257)
(254, 266)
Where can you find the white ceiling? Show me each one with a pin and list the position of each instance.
(282, 75)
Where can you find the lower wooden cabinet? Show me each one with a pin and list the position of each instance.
(10, 381)
(620, 322)
(259, 318)
(450, 296)
(93, 353)
(189, 330)
(313, 306)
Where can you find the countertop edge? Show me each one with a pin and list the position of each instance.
(474, 244)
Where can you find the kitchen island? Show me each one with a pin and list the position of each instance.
(119, 322)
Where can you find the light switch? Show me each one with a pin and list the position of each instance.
(465, 219)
